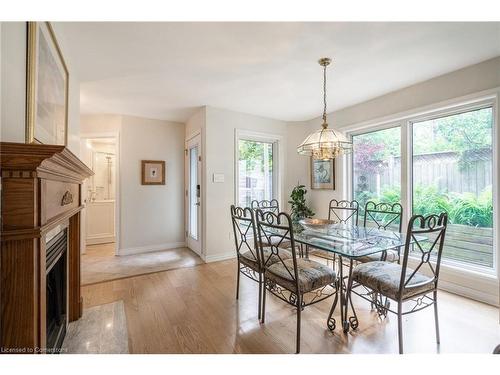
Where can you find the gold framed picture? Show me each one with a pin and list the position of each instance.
(46, 87)
(153, 172)
(323, 174)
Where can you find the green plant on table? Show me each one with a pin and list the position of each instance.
(298, 201)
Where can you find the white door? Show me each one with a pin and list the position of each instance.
(193, 194)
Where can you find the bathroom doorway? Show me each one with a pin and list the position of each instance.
(100, 192)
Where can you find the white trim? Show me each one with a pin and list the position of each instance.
(187, 180)
(219, 257)
(278, 169)
(192, 135)
(150, 248)
(99, 239)
(485, 284)
(116, 136)
(420, 111)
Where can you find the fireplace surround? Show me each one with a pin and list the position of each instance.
(40, 245)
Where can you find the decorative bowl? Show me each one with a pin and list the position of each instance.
(316, 223)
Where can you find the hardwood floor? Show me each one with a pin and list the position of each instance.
(194, 310)
(99, 262)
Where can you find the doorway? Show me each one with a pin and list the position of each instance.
(100, 190)
(193, 194)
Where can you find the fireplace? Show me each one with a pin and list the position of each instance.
(40, 233)
(56, 291)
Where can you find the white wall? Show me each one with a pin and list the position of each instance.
(219, 154)
(13, 88)
(151, 217)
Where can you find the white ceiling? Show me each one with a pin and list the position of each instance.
(167, 70)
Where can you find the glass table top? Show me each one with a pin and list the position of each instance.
(347, 240)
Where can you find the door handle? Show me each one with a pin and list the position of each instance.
(197, 204)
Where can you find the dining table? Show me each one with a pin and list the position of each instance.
(346, 243)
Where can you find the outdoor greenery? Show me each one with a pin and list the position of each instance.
(463, 134)
(298, 201)
(466, 208)
(252, 152)
(457, 133)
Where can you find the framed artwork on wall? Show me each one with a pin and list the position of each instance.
(323, 174)
(153, 172)
(46, 87)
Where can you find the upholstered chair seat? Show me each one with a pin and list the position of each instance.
(248, 258)
(311, 275)
(385, 277)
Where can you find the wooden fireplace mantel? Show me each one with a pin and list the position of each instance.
(40, 191)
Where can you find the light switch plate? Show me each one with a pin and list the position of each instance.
(218, 177)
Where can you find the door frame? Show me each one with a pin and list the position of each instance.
(116, 137)
(201, 236)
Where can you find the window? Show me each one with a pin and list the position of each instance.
(256, 172)
(449, 155)
(377, 167)
(452, 172)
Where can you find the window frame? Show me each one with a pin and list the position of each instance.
(458, 276)
(276, 140)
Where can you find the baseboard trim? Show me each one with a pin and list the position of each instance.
(476, 295)
(99, 240)
(150, 248)
(219, 257)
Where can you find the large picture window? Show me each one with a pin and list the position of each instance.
(449, 167)
(377, 167)
(452, 172)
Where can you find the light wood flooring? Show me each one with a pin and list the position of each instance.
(194, 310)
(99, 262)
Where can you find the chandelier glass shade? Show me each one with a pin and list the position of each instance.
(325, 143)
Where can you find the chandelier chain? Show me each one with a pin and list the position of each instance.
(324, 94)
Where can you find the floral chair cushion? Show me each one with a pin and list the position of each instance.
(312, 275)
(250, 260)
(384, 277)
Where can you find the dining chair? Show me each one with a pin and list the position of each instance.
(272, 206)
(297, 281)
(266, 205)
(343, 212)
(248, 253)
(402, 284)
(384, 216)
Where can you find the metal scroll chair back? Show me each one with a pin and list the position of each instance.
(274, 229)
(432, 227)
(343, 211)
(266, 205)
(245, 235)
(383, 215)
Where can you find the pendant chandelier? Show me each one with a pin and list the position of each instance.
(325, 143)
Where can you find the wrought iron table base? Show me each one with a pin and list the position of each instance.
(345, 300)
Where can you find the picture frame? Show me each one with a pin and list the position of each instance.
(47, 84)
(322, 174)
(153, 172)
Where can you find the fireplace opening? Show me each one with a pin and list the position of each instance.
(56, 292)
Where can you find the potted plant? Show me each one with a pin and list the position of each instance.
(298, 202)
